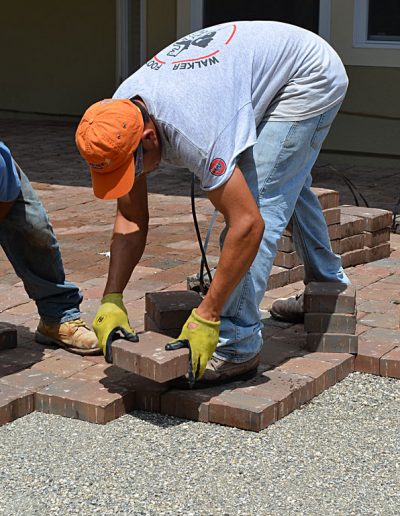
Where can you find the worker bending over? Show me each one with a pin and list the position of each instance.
(246, 107)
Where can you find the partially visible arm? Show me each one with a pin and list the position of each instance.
(129, 236)
(245, 229)
(5, 206)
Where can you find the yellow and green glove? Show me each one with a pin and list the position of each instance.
(110, 319)
(201, 338)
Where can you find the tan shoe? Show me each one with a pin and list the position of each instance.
(74, 336)
(219, 371)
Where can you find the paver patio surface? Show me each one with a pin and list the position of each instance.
(83, 225)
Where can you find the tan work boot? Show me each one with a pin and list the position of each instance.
(219, 371)
(289, 309)
(74, 336)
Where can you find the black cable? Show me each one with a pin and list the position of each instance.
(196, 227)
(353, 189)
(206, 241)
(350, 182)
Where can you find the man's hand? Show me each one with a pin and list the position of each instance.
(201, 336)
(111, 318)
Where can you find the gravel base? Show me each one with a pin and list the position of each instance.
(337, 455)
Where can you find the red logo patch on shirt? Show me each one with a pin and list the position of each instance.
(217, 167)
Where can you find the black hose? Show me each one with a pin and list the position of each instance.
(196, 227)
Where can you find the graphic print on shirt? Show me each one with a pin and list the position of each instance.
(217, 167)
(196, 50)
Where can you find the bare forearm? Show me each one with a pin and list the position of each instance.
(240, 248)
(126, 251)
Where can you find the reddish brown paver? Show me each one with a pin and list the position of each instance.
(375, 219)
(332, 342)
(149, 358)
(170, 309)
(329, 298)
(329, 323)
(323, 373)
(14, 403)
(242, 411)
(390, 363)
(89, 401)
(61, 363)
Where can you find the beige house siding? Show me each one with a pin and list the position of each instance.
(370, 118)
(57, 57)
(161, 25)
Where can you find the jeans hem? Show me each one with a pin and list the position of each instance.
(237, 359)
(61, 320)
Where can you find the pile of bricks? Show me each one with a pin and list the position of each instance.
(358, 234)
(330, 318)
(365, 234)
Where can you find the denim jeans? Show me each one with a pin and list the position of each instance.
(278, 172)
(28, 240)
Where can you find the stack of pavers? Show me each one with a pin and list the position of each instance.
(365, 234)
(358, 234)
(330, 317)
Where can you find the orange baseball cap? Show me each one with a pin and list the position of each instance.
(107, 136)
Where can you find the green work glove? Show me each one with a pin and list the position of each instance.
(201, 337)
(110, 319)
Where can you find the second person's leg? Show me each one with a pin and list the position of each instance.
(29, 242)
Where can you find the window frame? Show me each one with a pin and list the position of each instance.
(195, 17)
(360, 29)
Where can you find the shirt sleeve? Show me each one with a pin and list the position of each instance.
(10, 184)
(215, 164)
(238, 135)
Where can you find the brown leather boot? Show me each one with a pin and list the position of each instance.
(74, 336)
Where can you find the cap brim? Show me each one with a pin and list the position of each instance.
(115, 184)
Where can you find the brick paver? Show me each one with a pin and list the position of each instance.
(148, 358)
(54, 381)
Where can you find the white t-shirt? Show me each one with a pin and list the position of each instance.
(208, 91)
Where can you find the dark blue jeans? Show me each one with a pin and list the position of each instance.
(29, 242)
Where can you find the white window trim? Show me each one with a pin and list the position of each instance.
(143, 31)
(360, 29)
(122, 38)
(324, 24)
(122, 28)
(194, 21)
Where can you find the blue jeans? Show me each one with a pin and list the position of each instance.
(28, 240)
(278, 172)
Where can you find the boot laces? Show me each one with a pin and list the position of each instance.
(77, 323)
